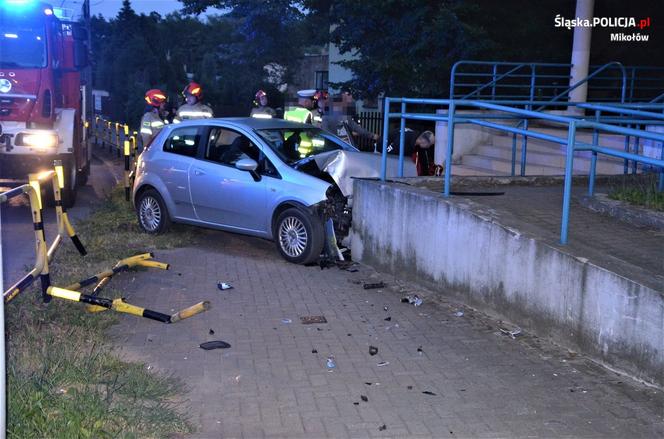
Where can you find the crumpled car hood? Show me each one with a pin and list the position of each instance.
(343, 166)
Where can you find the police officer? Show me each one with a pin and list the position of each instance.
(320, 100)
(302, 112)
(151, 122)
(261, 110)
(193, 108)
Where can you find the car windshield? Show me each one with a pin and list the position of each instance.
(22, 41)
(295, 144)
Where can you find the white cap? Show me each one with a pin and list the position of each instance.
(306, 93)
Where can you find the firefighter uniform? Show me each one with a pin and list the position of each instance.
(263, 112)
(151, 124)
(194, 111)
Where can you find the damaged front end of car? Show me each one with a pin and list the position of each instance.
(339, 168)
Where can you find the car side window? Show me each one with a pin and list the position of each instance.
(226, 147)
(183, 141)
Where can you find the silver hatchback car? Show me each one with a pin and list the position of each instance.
(270, 178)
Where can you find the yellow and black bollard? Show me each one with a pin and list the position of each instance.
(127, 158)
(121, 306)
(64, 226)
(122, 265)
(38, 223)
(40, 242)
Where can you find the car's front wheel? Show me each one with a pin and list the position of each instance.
(151, 212)
(299, 236)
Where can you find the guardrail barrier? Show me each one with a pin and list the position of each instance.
(44, 254)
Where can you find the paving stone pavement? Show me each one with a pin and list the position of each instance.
(273, 381)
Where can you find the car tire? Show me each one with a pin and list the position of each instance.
(152, 213)
(299, 236)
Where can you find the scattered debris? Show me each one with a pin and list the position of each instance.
(383, 363)
(349, 334)
(382, 427)
(388, 319)
(426, 392)
(356, 403)
(286, 321)
(385, 308)
(419, 350)
(409, 387)
(216, 344)
(314, 351)
(353, 269)
(211, 332)
(364, 398)
(150, 337)
(373, 350)
(224, 286)
(514, 333)
(413, 299)
(331, 364)
(368, 384)
(310, 320)
(459, 313)
(179, 274)
(371, 286)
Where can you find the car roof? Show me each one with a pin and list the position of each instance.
(248, 122)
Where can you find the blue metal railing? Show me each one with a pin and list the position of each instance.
(494, 80)
(572, 145)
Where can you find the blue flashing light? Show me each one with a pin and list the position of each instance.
(11, 36)
(48, 11)
(18, 2)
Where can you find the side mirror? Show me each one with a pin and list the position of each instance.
(80, 54)
(246, 165)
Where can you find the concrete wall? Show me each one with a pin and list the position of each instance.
(470, 256)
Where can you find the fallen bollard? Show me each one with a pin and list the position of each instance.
(121, 306)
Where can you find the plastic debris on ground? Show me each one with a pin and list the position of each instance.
(382, 427)
(459, 313)
(286, 321)
(388, 319)
(426, 392)
(385, 308)
(412, 299)
(314, 351)
(514, 333)
(373, 350)
(383, 363)
(310, 320)
(419, 350)
(364, 398)
(211, 332)
(216, 344)
(371, 286)
(331, 364)
(224, 286)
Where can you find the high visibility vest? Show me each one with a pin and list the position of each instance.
(298, 114)
(196, 111)
(263, 112)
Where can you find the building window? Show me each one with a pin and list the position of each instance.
(321, 79)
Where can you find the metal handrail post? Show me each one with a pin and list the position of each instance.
(493, 87)
(402, 129)
(567, 191)
(626, 162)
(660, 186)
(448, 152)
(513, 154)
(637, 140)
(386, 121)
(593, 158)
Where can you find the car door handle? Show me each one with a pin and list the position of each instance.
(198, 172)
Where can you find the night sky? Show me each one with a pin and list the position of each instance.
(110, 8)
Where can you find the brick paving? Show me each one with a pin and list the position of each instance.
(271, 383)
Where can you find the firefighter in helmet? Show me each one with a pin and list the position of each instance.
(151, 122)
(193, 108)
(262, 110)
(302, 112)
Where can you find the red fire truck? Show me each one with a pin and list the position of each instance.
(41, 97)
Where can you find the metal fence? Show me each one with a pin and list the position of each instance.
(371, 121)
(611, 123)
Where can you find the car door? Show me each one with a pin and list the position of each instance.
(179, 150)
(224, 195)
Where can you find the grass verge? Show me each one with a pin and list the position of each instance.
(63, 379)
(640, 192)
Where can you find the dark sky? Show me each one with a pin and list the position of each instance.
(110, 8)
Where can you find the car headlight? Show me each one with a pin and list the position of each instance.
(40, 140)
